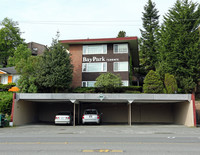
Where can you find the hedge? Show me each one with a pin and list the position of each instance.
(124, 89)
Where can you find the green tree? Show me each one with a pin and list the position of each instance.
(153, 83)
(9, 39)
(149, 36)
(179, 43)
(121, 34)
(170, 84)
(108, 81)
(22, 52)
(55, 69)
(6, 102)
(28, 68)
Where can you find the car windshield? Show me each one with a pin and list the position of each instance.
(90, 112)
(64, 113)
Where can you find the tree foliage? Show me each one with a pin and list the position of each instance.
(148, 40)
(152, 83)
(28, 69)
(21, 53)
(180, 42)
(121, 34)
(108, 81)
(170, 84)
(9, 39)
(55, 69)
(6, 102)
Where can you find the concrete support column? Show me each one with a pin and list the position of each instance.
(129, 112)
(74, 116)
(74, 122)
(78, 113)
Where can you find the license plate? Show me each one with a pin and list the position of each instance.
(90, 116)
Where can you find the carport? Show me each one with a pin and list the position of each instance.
(116, 108)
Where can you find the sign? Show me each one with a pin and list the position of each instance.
(99, 59)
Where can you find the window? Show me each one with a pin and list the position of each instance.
(4, 79)
(120, 48)
(95, 49)
(94, 67)
(15, 78)
(88, 83)
(125, 83)
(120, 66)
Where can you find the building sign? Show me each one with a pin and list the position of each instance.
(100, 59)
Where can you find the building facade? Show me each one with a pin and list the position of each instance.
(91, 57)
(8, 75)
(36, 49)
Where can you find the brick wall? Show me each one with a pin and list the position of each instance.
(76, 57)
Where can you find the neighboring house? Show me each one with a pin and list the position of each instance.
(8, 75)
(37, 49)
(91, 57)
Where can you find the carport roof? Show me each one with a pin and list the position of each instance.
(117, 98)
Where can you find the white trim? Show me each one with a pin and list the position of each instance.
(119, 51)
(118, 69)
(87, 83)
(125, 81)
(85, 48)
(3, 72)
(100, 63)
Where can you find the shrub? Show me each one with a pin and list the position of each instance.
(125, 89)
(5, 87)
(6, 102)
(152, 83)
(108, 81)
(170, 84)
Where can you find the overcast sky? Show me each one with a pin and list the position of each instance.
(39, 20)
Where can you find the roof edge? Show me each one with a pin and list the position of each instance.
(98, 39)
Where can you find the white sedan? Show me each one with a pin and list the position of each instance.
(63, 117)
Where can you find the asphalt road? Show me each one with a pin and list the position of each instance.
(140, 139)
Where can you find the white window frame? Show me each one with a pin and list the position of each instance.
(125, 83)
(118, 68)
(104, 65)
(86, 82)
(4, 79)
(119, 52)
(15, 78)
(86, 52)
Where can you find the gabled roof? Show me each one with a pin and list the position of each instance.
(9, 70)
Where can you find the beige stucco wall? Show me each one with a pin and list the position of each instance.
(183, 114)
(24, 113)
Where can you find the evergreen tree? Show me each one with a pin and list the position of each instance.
(152, 83)
(55, 69)
(121, 34)
(180, 42)
(148, 40)
(170, 84)
(9, 39)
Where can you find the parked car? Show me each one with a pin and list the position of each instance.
(64, 117)
(91, 116)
